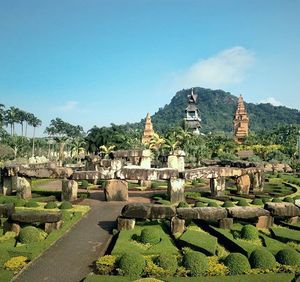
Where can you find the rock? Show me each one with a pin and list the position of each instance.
(206, 213)
(246, 212)
(176, 190)
(139, 173)
(125, 223)
(177, 225)
(264, 221)
(297, 203)
(294, 220)
(243, 184)
(32, 217)
(173, 162)
(6, 210)
(136, 210)
(226, 223)
(69, 190)
(50, 226)
(162, 211)
(283, 209)
(10, 226)
(116, 190)
(23, 188)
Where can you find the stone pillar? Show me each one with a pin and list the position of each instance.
(69, 190)
(116, 190)
(261, 180)
(254, 181)
(180, 161)
(213, 186)
(220, 185)
(177, 225)
(23, 188)
(146, 159)
(243, 184)
(173, 162)
(125, 223)
(145, 183)
(226, 223)
(176, 190)
(10, 226)
(50, 226)
(9, 184)
(264, 221)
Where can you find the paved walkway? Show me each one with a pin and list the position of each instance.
(71, 257)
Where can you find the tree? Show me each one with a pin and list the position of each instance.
(12, 117)
(106, 150)
(35, 122)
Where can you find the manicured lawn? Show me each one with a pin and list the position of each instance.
(286, 235)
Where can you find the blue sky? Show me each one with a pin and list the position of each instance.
(97, 62)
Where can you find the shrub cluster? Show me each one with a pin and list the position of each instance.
(242, 203)
(132, 264)
(65, 205)
(289, 200)
(276, 200)
(261, 258)
(168, 263)
(249, 232)
(183, 205)
(16, 263)
(31, 204)
(199, 205)
(50, 205)
(84, 184)
(237, 263)
(258, 202)
(266, 199)
(196, 263)
(150, 236)
(288, 257)
(106, 264)
(228, 204)
(20, 203)
(212, 204)
(31, 234)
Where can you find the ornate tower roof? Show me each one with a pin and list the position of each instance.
(192, 118)
(148, 131)
(241, 121)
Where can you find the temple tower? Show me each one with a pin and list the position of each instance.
(240, 122)
(192, 119)
(148, 131)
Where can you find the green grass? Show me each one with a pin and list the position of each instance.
(107, 278)
(272, 245)
(127, 242)
(285, 235)
(199, 240)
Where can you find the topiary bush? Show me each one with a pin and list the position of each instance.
(257, 202)
(132, 264)
(288, 257)
(20, 203)
(261, 258)
(65, 205)
(183, 205)
(249, 232)
(196, 263)
(31, 204)
(266, 199)
(154, 185)
(212, 204)
(150, 236)
(106, 264)
(50, 205)
(31, 234)
(289, 200)
(194, 182)
(237, 263)
(168, 262)
(84, 184)
(242, 203)
(228, 204)
(199, 205)
(276, 200)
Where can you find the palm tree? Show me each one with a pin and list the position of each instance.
(11, 117)
(22, 118)
(35, 123)
(2, 114)
(77, 146)
(106, 150)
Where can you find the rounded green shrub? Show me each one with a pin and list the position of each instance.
(84, 184)
(154, 185)
(168, 262)
(212, 204)
(228, 204)
(31, 234)
(276, 200)
(20, 203)
(237, 263)
(288, 257)
(261, 258)
(50, 205)
(258, 202)
(150, 236)
(196, 263)
(65, 205)
(249, 232)
(289, 200)
(199, 205)
(242, 203)
(31, 204)
(266, 199)
(194, 182)
(183, 205)
(132, 264)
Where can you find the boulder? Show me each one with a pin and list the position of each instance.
(23, 188)
(246, 212)
(125, 223)
(116, 190)
(6, 210)
(283, 209)
(226, 223)
(206, 213)
(50, 226)
(69, 190)
(162, 211)
(136, 210)
(10, 226)
(294, 220)
(176, 190)
(264, 221)
(177, 225)
(32, 217)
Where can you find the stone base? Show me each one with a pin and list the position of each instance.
(50, 226)
(69, 190)
(23, 188)
(125, 223)
(176, 190)
(264, 221)
(116, 190)
(177, 225)
(226, 223)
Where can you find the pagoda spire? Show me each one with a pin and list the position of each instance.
(192, 118)
(240, 122)
(148, 131)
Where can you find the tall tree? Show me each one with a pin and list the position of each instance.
(35, 123)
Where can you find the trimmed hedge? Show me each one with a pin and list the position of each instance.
(150, 236)
(84, 184)
(31, 204)
(288, 257)
(249, 232)
(168, 263)
(31, 234)
(65, 205)
(228, 204)
(261, 258)
(276, 200)
(199, 205)
(289, 200)
(212, 204)
(258, 202)
(50, 205)
(237, 263)
(196, 263)
(242, 203)
(183, 205)
(285, 234)
(132, 264)
(20, 203)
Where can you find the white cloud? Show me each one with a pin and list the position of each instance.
(68, 106)
(272, 101)
(225, 68)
